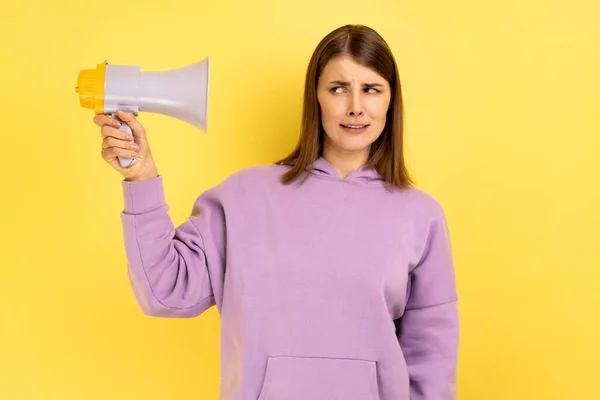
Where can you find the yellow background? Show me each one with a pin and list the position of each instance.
(503, 126)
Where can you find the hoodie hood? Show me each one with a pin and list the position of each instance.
(364, 176)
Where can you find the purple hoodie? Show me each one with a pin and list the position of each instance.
(332, 290)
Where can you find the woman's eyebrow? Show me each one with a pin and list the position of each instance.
(345, 83)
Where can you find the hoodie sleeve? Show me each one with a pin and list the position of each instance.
(429, 328)
(171, 268)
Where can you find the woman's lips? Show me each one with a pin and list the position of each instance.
(350, 128)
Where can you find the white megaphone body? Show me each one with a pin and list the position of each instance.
(181, 93)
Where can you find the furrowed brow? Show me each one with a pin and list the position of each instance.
(345, 83)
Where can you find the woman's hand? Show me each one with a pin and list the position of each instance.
(117, 143)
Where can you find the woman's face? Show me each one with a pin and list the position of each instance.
(351, 95)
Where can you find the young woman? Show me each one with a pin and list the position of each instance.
(331, 272)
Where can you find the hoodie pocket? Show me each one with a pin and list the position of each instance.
(303, 378)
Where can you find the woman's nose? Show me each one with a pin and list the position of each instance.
(355, 107)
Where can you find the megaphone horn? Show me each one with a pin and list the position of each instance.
(181, 93)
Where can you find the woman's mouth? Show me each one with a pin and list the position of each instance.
(354, 128)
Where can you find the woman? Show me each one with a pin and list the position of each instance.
(332, 273)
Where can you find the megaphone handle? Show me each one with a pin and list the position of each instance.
(125, 162)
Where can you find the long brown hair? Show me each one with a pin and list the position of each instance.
(367, 48)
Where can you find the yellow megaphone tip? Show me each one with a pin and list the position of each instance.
(90, 87)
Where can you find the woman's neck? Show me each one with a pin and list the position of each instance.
(345, 162)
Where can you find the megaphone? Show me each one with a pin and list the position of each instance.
(181, 93)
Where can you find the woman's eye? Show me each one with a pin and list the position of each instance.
(334, 90)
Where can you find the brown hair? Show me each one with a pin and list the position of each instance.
(367, 48)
